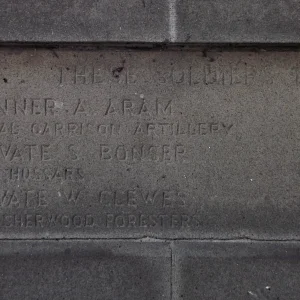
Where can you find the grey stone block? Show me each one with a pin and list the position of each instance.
(218, 270)
(57, 270)
(149, 21)
(162, 144)
(235, 21)
(83, 21)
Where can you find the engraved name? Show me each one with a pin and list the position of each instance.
(136, 153)
(135, 197)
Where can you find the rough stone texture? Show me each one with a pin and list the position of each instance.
(83, 21)
(144, 269)
(161, 144)
(149, 21)
(235, 21)
(74, 270)
(236, 271)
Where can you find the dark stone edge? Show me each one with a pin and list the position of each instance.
(85, 46)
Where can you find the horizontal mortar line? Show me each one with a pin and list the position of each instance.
(151, 239)
(152, 46)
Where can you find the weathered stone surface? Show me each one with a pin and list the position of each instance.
(236, 271)
(235, 21)
(83, 21)
(148, 270)
(163, 144)
(148, 21)
(84, 270)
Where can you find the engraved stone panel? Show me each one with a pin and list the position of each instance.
(228, 270)
(161, 144)
(84, 270)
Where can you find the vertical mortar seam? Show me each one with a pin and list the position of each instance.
(171, 272)
(173, 20)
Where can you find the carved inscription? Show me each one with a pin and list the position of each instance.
(185, 129)
(26, 152)
(90, 221)
(115, 144)
(23, 199)
(29, 106)
(74, 129)
(43, 174)
(133, 198)
(128, 107)
(153, 153)
(208, 74)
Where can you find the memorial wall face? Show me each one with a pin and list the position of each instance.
(149, 150)
(114, 144)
